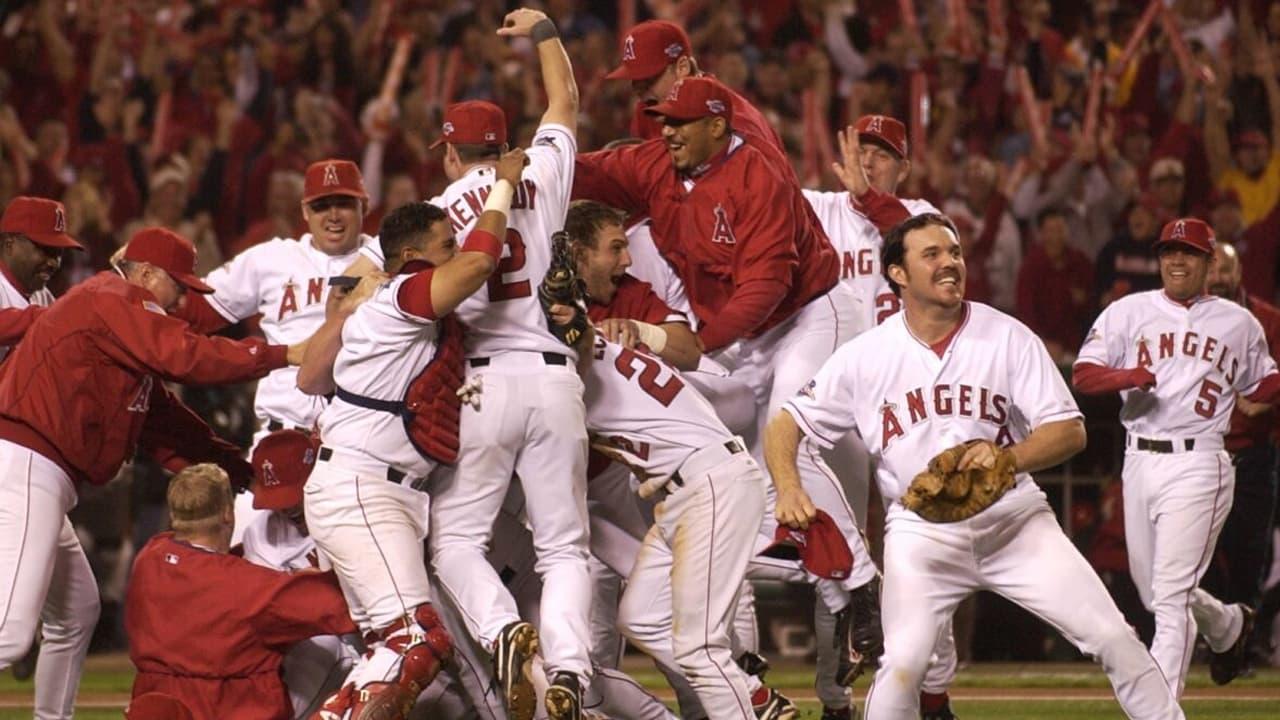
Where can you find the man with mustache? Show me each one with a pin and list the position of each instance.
(941, 372)
(1179, 358)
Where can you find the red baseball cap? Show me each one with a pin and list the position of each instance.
(156, 706)
(333, 177)
(474, 122)
(42, 220)
(820, 548)
(1192, 232)
(282, 462)
(168, 251)
(888, 131)
(694, 98)
(649, 48)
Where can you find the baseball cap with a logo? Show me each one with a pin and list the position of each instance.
(821, 548)
(883, 130)
(1192, 232)
(43, 221)
(168, 251)
(695, 98)
(474, 122)
(649, 48)
(333, 177)
(282, 462)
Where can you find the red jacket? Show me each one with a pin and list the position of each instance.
(743, 240)
(211, 629)
(84, 387)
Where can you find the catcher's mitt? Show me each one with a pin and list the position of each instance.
(562, 286)
(942, 494)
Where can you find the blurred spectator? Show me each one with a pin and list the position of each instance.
(1128, 263)
(992, 245)
(1055, 286)
(284, 213)
(1168, 182)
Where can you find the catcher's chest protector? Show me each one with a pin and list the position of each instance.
(432, 407)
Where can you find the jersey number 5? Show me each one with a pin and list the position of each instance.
(1207, 403)
(664, 392)
(499, 290)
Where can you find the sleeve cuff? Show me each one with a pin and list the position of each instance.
(806, 427)
(277, 356)
(485, 242)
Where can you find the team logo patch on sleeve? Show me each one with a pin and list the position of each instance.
(807, 390)
(547, 141)
(171, 558)
(153, 307)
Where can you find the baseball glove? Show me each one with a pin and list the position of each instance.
(942, 494)
(562, 286)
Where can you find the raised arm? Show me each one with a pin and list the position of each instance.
(557, 73)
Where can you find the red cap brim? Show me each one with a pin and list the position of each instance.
(349, 193)
(191, 282)
(275, 498)
(55, 240)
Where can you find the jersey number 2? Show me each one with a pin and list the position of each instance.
(662, 392)
(500, 291)
(1207, 403)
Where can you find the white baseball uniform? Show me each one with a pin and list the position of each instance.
(364, 507)
(1178, 479)
(858, 242)
(648, 264)
(683, 588)
(991, 379)
(530, 420)
(287, 281)
(12, 297)
(316, 667)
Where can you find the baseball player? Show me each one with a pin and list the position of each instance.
(941, 372)
(286, 281)
(223, 658)
(33, 237)
(1179, 356)
(530, 418)
(758, 269)
(392, 421)
(79, 395)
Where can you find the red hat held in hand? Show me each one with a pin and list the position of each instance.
(1192, 232)
(820, 548)
(156, 706)
(168, 251)
(649, 48)
(43, 221)
(282, 462)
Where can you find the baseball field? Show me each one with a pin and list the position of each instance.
(997, 690)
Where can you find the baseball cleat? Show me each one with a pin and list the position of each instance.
(775, 706)
(512, 653)
(753, 664)
(858, 634)
(1228, 664)
(564, 698)
(844, 713)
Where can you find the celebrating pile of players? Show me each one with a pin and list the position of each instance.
(467, 492)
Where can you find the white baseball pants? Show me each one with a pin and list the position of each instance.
(1014, 548)
(683, 591)
(1174, 508)
(44, 578)
(531, 421)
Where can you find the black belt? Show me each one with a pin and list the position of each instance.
(549, 358)
(395, 407)
(274, 425)
(394, 475)
(733, 446)
(1163, 446)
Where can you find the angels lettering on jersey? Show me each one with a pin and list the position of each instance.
(470, 204)
(1191, 344)
(296, 295)
(944, 401)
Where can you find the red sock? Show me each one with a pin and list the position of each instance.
(760, 695)
(933, 702)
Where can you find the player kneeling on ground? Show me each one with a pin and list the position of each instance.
(209, 628)
(976, 391)
(395, 366)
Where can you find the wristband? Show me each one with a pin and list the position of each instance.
(652, 335)
(485, 242)
(500, 195)
(544, 29)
